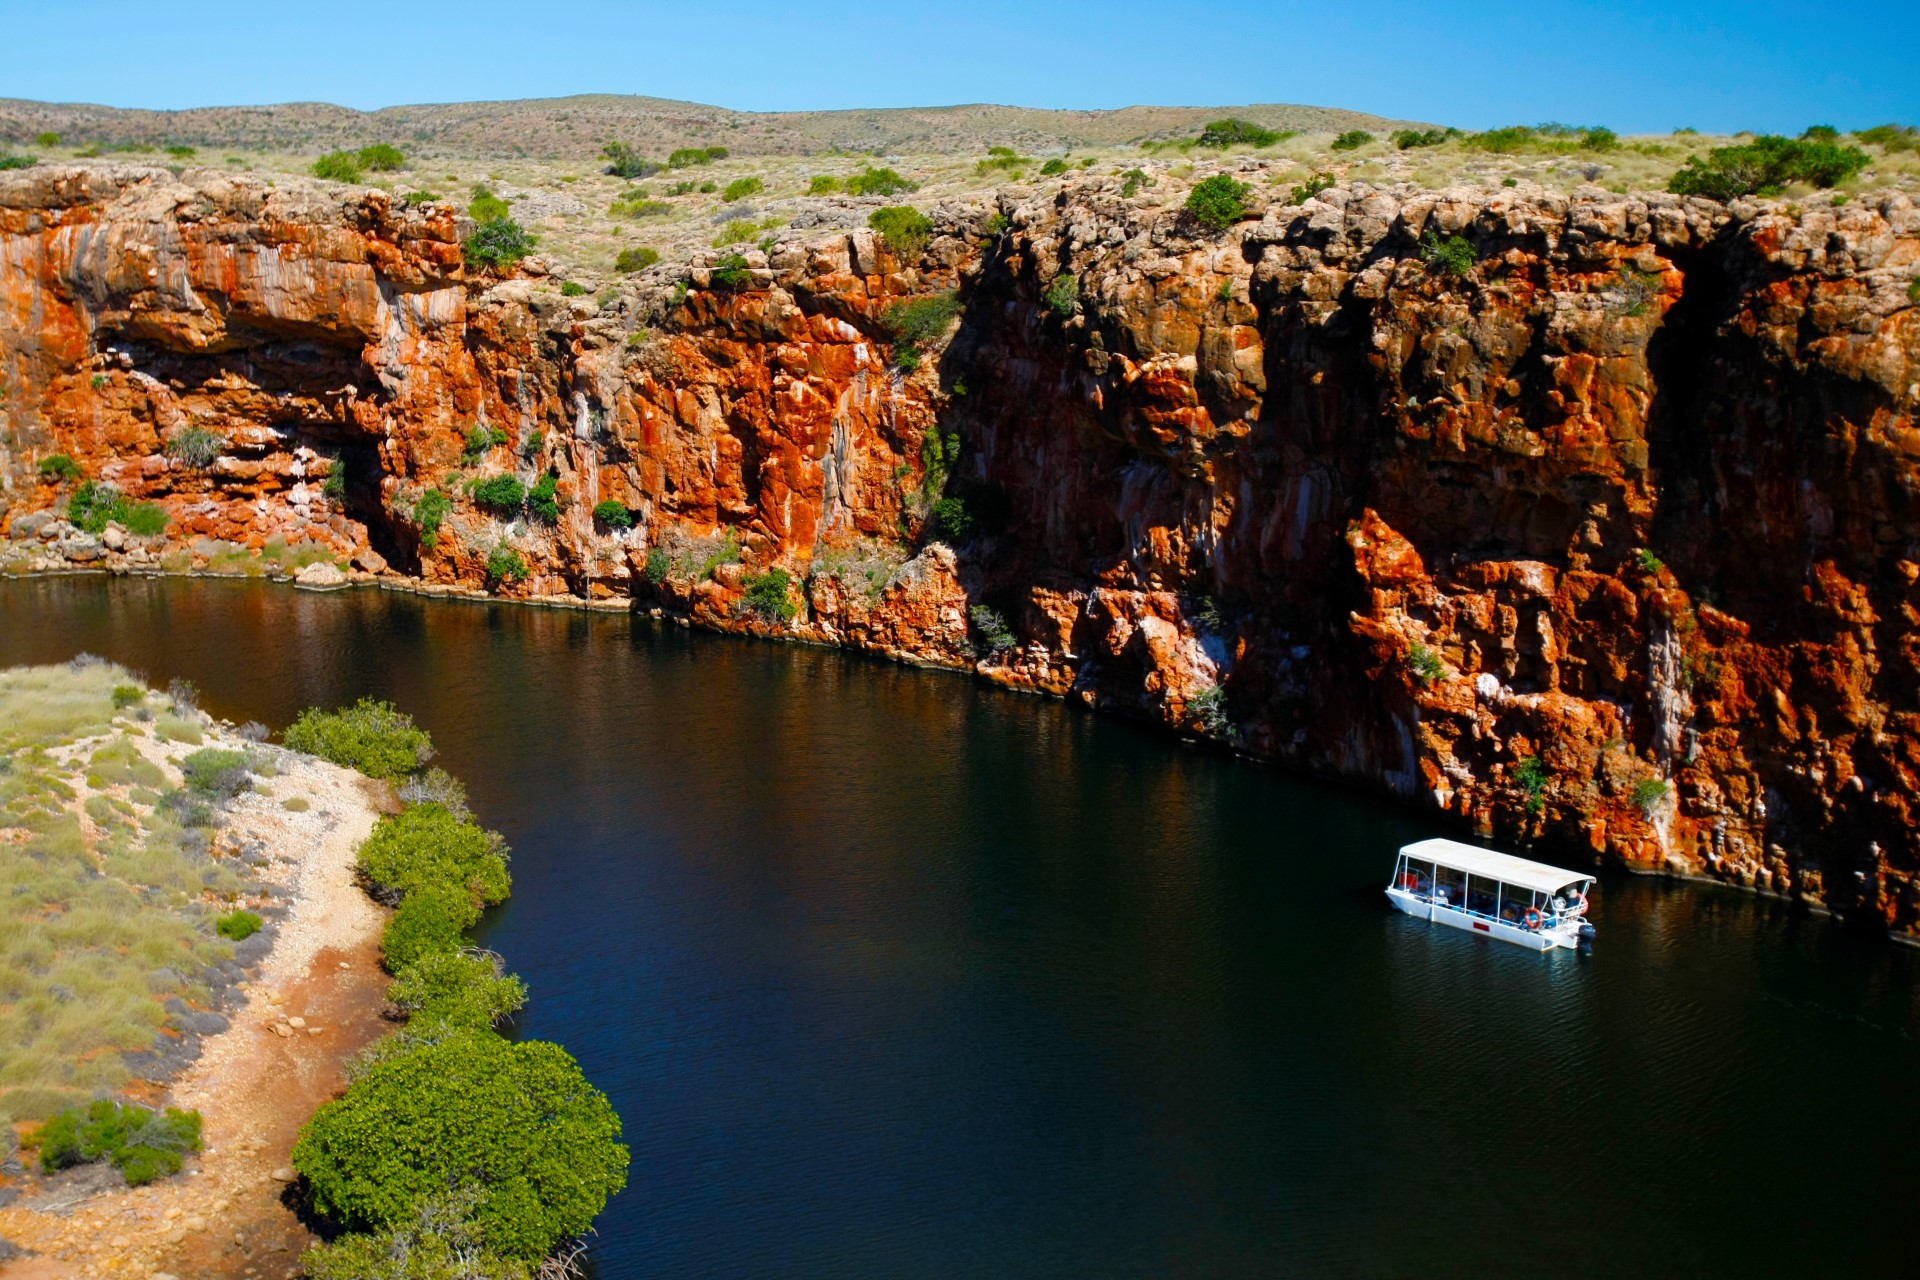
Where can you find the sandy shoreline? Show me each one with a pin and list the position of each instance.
(314, 1001)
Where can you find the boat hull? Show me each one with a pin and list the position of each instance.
(1534, 940)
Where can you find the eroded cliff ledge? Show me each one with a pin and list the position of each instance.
(1637, 496)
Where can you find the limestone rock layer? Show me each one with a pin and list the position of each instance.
(1608, 544)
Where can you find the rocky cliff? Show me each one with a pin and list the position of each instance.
(1608, 541)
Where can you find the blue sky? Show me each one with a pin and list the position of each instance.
(1709, 64)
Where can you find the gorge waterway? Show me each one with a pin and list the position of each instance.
(891, 974)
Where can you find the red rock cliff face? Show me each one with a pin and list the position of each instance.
(1610, 541)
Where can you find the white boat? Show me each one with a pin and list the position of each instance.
(1498, 895)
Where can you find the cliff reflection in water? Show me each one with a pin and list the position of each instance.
(892, 974)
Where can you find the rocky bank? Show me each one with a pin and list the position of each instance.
(1636, 496)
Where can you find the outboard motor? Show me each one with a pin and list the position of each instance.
(1586, 935)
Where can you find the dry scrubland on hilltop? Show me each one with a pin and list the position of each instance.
(1578, 510)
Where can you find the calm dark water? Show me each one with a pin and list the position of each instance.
(892, 975)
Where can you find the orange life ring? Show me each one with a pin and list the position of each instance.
(1534, 918)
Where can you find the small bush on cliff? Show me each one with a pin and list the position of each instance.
(1063, 295)
(879, 182)
(543, 500)
(1888, 137)
(1221, 134)
(952, 518)
(428, 514)
(142, 1144)
(990, 631)
(481, 438)
(1764, 167)
(216, 773)
(381, 158)
(374, 737)
(770, 595)
(731, 274)
(1000, 160)
(1053, 168)
(659, 566)
(146, 519)
(338, 166)
(1449, 255)
(1218, 202)
(1352, 140)
(195, 447)
(502, 495)
(94, 505)
(504, 564)
(824, 184)
(499, 243)
(517, 1123)
(1425, 664)
(635, 259)
(1531, 774)
(1208, 709)
(58, 467)
(920, 323)
(238, 926)
(624, 162)
(741, 188)
(8, 160)
(465, 988)
(902, 228)
(1313, 186)
(1647, 795)
(1131, 182)
(612, 514)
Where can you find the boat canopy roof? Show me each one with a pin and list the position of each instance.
(1503, 867)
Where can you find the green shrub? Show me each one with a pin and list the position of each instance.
(1132, 181)
(215, 772)
(878, 182)
(1531, 774)
(923, 321)
(381, 158)
(1647, 795)
(1208, 709)
(1313, 186)
(96, 504)
(708, 187)
(1218, 202)
(238, 925)
(1650, 564)
(142, 1144)
(613, 514)
(1053, 167)
(427, 846)
(429, 922)
(459, 989)
(1820, 133)
(824, 184)
(504, 564)
(437, 1241)
(770, 595)
(374, 737)
(517, 1123)
(195, 447)
(659, 566)
(1221, 134)
(1352, 140)
(1449, 255)
(902, 228)
(1425, 664)
(59, 467)
(990, 631)
(1407, 139)
(1063, 295)
(572, 289)
(951, 517)
(127, 695)
(1599, 139)
(624, 162)
(1764, 167)
(686, 157)
(1890, 137)
(486, 206)
(741, 188)
(8, 160)
(422, 197)
(480, 439)
(735, 231)
(502, 495)
(338, 166)
(429, 511)
(1000, 160)
(498, 243)
(46, 139)
(731, 274)
(543, 500)
(636, 259)
(639, 207)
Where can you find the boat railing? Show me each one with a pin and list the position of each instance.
(1550, 920)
